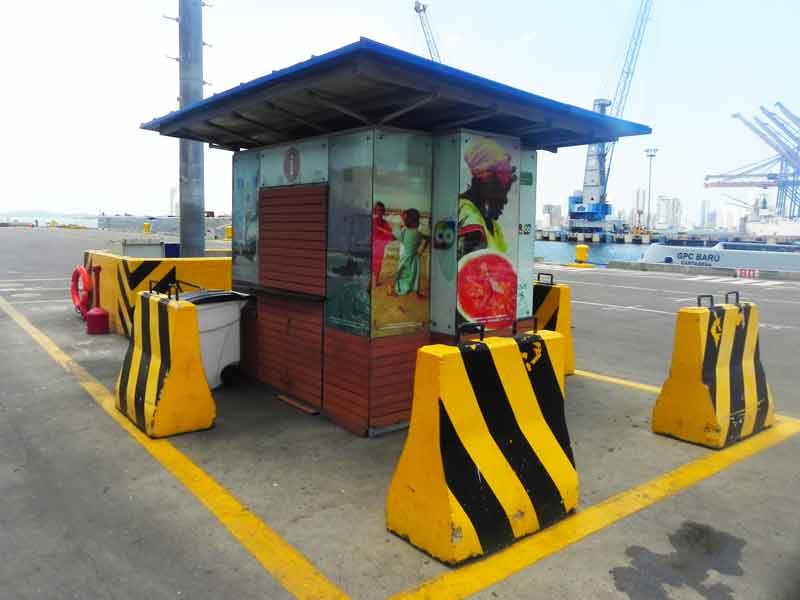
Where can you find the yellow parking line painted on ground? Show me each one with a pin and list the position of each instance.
(287, 565)
(642, 387)
(463, 582)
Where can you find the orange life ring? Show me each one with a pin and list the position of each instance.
(80, 297)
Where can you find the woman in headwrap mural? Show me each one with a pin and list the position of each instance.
(481, 205)
(487, 281)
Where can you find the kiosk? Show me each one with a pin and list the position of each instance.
(380, 202)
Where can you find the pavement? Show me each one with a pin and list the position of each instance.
(274, 503)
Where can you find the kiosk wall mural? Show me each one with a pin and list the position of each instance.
(244, 247)
(488, 223)
(347, 306)
(401, 233)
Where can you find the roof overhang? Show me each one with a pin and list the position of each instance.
(371, 84)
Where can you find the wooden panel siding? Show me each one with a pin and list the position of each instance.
(290, 347)
(249, 362)
(392, 364)
(346, 387)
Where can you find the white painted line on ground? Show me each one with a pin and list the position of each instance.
(56, 301)
(666, 312)
(620, 307)
(663, 291)
(12, 281)
(764, 283)
(35, 289)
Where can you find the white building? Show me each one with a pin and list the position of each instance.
(553, 217)
(669, 213)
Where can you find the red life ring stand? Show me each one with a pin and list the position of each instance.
(80, 296)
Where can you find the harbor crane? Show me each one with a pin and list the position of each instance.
(422, 10)
(781, 171)
(592, 205)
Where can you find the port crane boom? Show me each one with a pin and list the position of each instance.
(786, 128)
(781, 171)
(628, 69)
(599, 156)
(768, 139)
(788, 114)
(422, 10)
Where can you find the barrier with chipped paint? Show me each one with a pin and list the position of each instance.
(552, 310)
(122, 278)
(487, 458)
(717, 392)
(162, 387)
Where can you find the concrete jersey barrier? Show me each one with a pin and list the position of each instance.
(487, 458)
(717, 391)
(552, 309)
(122, 278)
(162, 387)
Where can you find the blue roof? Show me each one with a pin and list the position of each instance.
(369, 83)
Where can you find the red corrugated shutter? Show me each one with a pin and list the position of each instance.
(292, 239)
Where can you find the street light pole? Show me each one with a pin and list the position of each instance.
(650, 153)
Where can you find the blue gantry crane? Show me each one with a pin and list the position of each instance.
(781, 171)
(589, 208)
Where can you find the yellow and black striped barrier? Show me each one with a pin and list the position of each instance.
(162, 387)
(552, 310)
(487, 458)
(716, 393)
(122, 278)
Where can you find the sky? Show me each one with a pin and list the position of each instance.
(78, 78)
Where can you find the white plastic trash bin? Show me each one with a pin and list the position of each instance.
(218, 316)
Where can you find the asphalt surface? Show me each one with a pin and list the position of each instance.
(624, 321)
(87, 513)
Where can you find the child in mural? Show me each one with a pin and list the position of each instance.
(412, 246)
(482, 203)
(381, 236)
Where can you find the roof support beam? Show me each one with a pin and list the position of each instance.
(473, 118)
(546, 125)
(238, 136)
(407, 109)
(216, 146)
(553, 144)
(338, 107)
(266, 128)
(191, 135)
(375, 71)
(296, 117)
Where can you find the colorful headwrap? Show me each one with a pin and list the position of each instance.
(486, 159)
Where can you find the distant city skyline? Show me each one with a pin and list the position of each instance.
(79, 93)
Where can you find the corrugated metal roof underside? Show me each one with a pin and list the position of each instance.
(368, 83)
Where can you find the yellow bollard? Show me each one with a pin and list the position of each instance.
(228, 233)
(146, 227)
(581, 257)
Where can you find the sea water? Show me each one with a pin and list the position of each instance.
(599, 254)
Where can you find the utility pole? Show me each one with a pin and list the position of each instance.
(192, 194)
(651, 154)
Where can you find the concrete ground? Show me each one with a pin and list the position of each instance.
(89, 513)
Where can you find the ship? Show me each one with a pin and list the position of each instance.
(730, 255)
